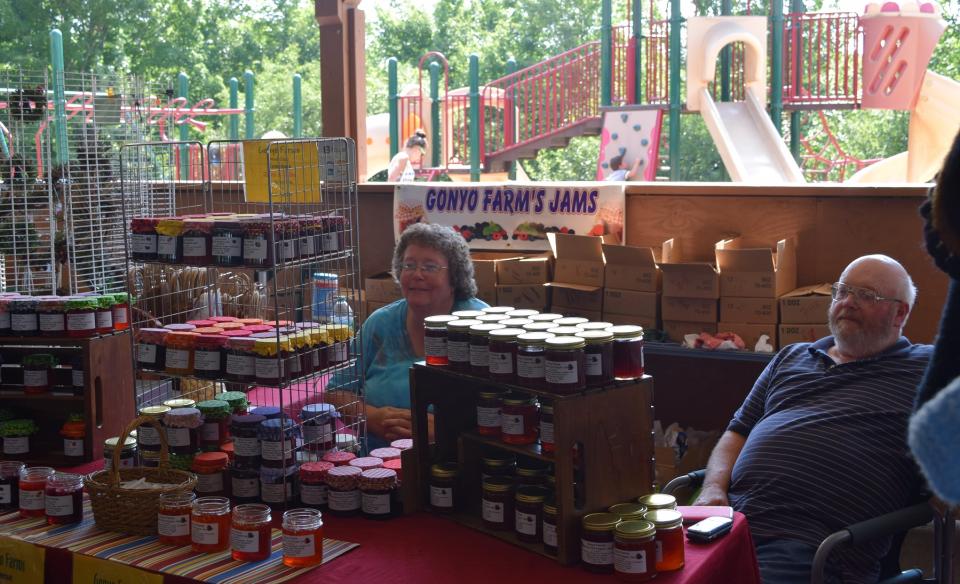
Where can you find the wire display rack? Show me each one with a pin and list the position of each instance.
(279, 247)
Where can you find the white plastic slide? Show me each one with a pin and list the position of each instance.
(749, 144)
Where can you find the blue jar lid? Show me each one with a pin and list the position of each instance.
(318, 413)
(275, 475)
(268, 412)
(247, 420)
(270, 429)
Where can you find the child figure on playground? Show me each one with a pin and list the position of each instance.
(401, 168)
(620, 173)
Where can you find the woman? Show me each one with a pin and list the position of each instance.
(401, 167)
(433, 266)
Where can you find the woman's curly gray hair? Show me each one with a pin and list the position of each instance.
(453, 247)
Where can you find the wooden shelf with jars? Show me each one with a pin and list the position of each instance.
(603, 449)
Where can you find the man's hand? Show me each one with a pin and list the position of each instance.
(712, 495)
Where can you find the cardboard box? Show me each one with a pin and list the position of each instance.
(750, 333)
(594, 315)
(752, 310)
(631, 268)
(579, 259)
(690, 280)
(694, 458)
(757, 272)
(526, 270)
(689, 309)
(523, 296)
(381, 288)
(485, 272)
(802, 333)
(806, 305)
(644, 321)
(369, 306)
(633, 303)
(675, 330)
(588, 298)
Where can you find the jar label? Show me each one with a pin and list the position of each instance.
(596, 553)
(315, 359)
(288, 249)
(322, 433)
(147, 436)
(120, 315)
(178, 358)
(511, 424)
(194, 247)
(104, 319)
(204, 533)
(4, 320)
(255, 248)
(35, 377)
(343, 500)
(81, 321)
(337, 352)
(51, 323)
(24, 322)
(530, 367)
(375, 504)
(299, 546)
(330, 241)
(525, 523)
(276, 493)
(146, 353)
(441, 496)
(5, 498)
(206, 360)
(126, 462)
(245, 488)
(245, 540)
(145, 243)
(435, 346)
(313, 494)
(31, 500)
(241, 365)
(273, 450)
(546, 432)
(307, 247)
(267, 367)
(630, 561)
(245, 446)
(479, 356)
(76, 376)
(59, 505)
(593, 364)
(488, 417)
(227, 246)
(561, 372)
(16, 445)
(210, 483)
(72, 447)
(659, 546)
(501, 363)
(458, 351)
(173, 525)
(549, 534)
(210, 432)
(178, 436)
(293, 365)
(166, 245)
(492, 511)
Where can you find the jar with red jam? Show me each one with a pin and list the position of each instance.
(151, 349)
(528, 513)
(563, 365)
(170, 240)
(104, 314)
(257, 242)
(518, 418)
(81, 316)
(196, 242)
(444, 479)
(549, 527)
(211, 471)
(226, 243)
(216, 423)
(489, 404)
(546, 427)
(37, 369)
(250, 533)
(143, 239)
(63, 498)
(435, 338)
(627, 351)
(497, 503)
(208, 361)
(51, 316)
(531, 354)
(597, 356)
(502, 354)
(458, 344)
(597, 542)
(240, 361)
(479, 347)
(634, 551)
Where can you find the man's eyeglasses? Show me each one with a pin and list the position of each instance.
(839, 291)
(427, 268)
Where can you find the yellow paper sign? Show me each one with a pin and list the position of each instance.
(90, 570)
(20, 562)
(294, 175)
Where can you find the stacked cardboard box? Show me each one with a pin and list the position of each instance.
(485, 272)
(631, 293)
(577, 286)
(520, 282)
(803, 314)
(379, 290)
(690, 293)
(751, 281)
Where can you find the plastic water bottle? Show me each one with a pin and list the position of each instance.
(324, 290)
(342, 313)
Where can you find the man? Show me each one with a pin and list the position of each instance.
(618, 173)
(820, 441)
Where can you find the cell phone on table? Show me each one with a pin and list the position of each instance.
(709, 529)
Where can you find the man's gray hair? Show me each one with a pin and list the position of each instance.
(453, 247)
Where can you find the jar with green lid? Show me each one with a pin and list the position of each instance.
(148, 438)
(480, 347)
(443, 487)
(81, 316)
(36, 372)
(435, 338)
(563, 368)
(531, 351)
(51, 316)
(497, 503)
(528, 513)
(502, 354)
(634, 552)
(128, 452)
(489, 404)
(104, 314)
(628, 511)
(74, 431)
(627, 351)
(668, 539)
(656, 501)
(597, 542)
(597, 356)
(458, 343)
(16, 435)
(216, 424)
(170, 240)
(121, 311)
(236, 399)
(549, 527)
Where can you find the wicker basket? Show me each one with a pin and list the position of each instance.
(134, 511)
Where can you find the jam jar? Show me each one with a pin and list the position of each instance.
(63, 498)
(81, 316)
(594, 326)
(10, 485)
(240, 360)
(655, 501)
(32, 486)
(532, 473)
(208, 361)
(563, 365)
(211, 471)
(479, 347)
(497, 503)
(73, 431)
(23, 316)
(502, 354)
(245, 430)
(302, 538)
(343, 492)
(268, 364)
(143, 239)
(627, 351)
(250, 533)
(245, 485)
(148, 438)
(196, 242)
(596, 542)
(522, 313)
(128, 452)
(104, 314)
(489, 404)
(278, 443)
(257, 242)
(151, 349)
(518, 417)
(313, 485)
(51, 316)
(531, 355)
(516, 323)
(210, 525)
(4, 316)
(226, 243)
(668, 539)
(545, 317)
(338, 350)
(181, 425)
(628, 511)
(319, 426)
(179, 353)
(121, 311)
(458, 344)
(36, 372)
(435, 338)
(597, 356)
(16, 437)
(503, 310)
(216, 423)
(443, 487)
(546, 427)
(173, 517)
(634, 551)
(549, 528)
(378, 488)
(500, 464)
(528, 513)
(278, 486)
(170, 240)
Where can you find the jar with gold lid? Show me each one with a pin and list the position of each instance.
(563, 367)
(596, 541)
(668, 539)
(655, 501)
(435, 338)
(634, 553)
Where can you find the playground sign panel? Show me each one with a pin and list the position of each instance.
(512, 215)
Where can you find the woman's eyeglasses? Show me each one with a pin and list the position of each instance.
(427, 268)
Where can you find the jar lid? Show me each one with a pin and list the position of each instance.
(386, 453)
(483, 329)
(498, 484)
(121, 298)
(656, 501)
(462, 325)
(180, 402)
(82, 304)
(253, 420)
(440, 320)
(111, 443)
(105, 301)
(522, 313)
(23, 303)
(154, 411)
(595, 337)
(183, 418)
(564, 331)
(444, 470)
(214, 341)
(232, 327)
(366, 462)
(258, 328)
(565, 343)
(339, 457)
(213, 407)
(18, 427)
(545, 317)
(491, 393)
(633, 529)
(179, 327)
(39, 360)
(571, 321)
(153, 335)
(628, 511)
(515, 322)
(203, 225)
(627, 331)
(497, 309)
(207, 330)
(600, 521)
(498, 460)
(538, 327)
(338, 332)
(531, 494)
(546, 408)
(467, 314)
(492, 317)
(222, 319)
(550, 505)
(202, 323)
(402, 443)
(315, 470)
(210, 461)
(344, 471)
(244, 343)
(506, 334)
(250, 321)
(320, 412)
(537, 338)
(236, 399)
(518, 399)
(594, 326)
(664, 518)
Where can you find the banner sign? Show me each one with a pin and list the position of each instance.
(91, 570)
(512, 215)
(297, 169)
(20, 562)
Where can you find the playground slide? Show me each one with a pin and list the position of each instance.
(750, 146)
(933, 125)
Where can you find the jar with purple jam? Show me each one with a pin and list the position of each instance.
(458, 344)
(208, 361)
(10, 485)
(597, 356)
(240, 361)
(531, 354)
(23, 316)
(563, 365)
(51, 317)
(257, 242)
(502, 359)
(151, 349)
(226, 243)
(480, 347)
(332, 234)
(197, 242)
(143, 239)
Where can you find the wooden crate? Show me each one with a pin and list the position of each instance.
(610, 427)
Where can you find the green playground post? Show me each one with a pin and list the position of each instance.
(776, 67)
(796, 8)
(637, 8)
(183, 89)
(676, 22)
(394, 100)
(435, 145)
(512, 168)
(59, 98)
(474, 117)
(297, 106)
(606, 42)
(248, 105)
(726, 9)
(234, 102)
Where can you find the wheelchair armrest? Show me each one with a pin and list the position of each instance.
(691, 479)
